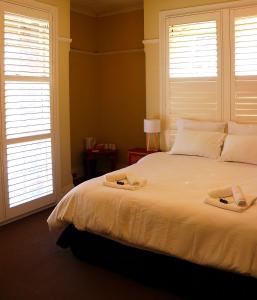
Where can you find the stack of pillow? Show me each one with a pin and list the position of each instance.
(209, 139)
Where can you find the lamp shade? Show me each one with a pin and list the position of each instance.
(152, 125)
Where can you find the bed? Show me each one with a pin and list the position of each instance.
(169, 215)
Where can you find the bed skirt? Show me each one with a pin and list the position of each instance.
(182, 277)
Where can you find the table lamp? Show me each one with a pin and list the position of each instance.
(152, 129)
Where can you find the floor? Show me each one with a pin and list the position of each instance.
(33, 267)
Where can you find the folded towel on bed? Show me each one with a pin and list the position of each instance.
(236, 198)
(135, 180)
(125, 186)
(231, 205)
(220, 192)
(126, 181)
(115, 177)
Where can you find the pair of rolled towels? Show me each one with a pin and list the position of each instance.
(129, 180)
(236, 192)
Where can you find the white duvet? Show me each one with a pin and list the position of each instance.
(169, 215)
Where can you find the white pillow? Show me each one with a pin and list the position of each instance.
(240, 148)
(242, 129)
(200, 143)
(200, 125)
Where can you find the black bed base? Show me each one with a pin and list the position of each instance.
(181, 277)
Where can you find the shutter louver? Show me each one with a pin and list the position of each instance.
(192, 84)
(26, 46)
(244, 100)
(193, 50)
(29, 168)
(27, 105)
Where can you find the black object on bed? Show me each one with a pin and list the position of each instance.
(182, 277)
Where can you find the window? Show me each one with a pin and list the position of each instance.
(210, 71)
(193, 77)
(193, 50)
(28, 108)
(244, 56)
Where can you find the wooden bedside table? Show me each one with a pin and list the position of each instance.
(136, 153)
(91, 157)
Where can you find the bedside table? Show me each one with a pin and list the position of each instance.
(92, 157)
(136, 153)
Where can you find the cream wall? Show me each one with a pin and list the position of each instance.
(151, 34)
(107, 82)
(63, 7)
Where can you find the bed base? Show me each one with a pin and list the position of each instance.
(166, 272)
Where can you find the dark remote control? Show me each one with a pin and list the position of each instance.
(224, 201)
(120, 182)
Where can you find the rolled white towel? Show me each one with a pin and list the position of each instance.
(249, 190)
(136, 180)
(113, 177)
(220, 192)
(238, 196)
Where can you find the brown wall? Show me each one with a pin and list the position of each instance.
(107, 89)
(84, 103)
(121, 32)
(122, 81)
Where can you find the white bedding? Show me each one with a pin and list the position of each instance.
(169, 215)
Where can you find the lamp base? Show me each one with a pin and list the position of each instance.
(152, 141)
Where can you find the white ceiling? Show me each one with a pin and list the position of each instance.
(102, 7)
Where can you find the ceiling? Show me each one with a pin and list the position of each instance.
(102, 7)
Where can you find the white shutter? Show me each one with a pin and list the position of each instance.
(29, 171)
(193, 50)
(244, 62)
(26, 46)
(27, 108)
(193, 81)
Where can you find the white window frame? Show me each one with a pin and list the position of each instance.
(7, 213)
(225, 63)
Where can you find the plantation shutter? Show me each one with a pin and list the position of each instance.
(193, 81)
(244, 62)
(27, 107)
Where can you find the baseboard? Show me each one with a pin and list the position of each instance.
(27, 214)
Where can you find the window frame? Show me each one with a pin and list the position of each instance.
(23, 7)
(226, 56)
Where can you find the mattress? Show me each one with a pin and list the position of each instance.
(169, 215)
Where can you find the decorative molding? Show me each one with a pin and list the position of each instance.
(121, 11)
(64, 40)
(151, 41)
(84, 52)
(122, 51)
(84, 10)
(106, 52)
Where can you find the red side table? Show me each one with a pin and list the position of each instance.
(136, 153)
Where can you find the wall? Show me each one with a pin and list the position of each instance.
(122, 81)
(84, 102)
(63, 7)
(151, 34)
(107, 82)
